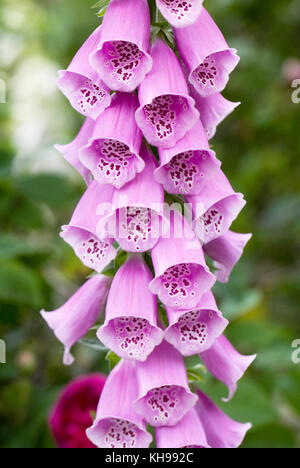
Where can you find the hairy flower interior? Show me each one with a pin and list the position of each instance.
(137, 227)
(179, 285)
(89, 96)
(191, 329)
(119, 434)
(205, 75)
(178, 8)
(186, 172)
(134, 336)
(164, 113)
(114, 160)
(164, 404)
(123, 59)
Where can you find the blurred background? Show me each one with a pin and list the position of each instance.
(259, 146)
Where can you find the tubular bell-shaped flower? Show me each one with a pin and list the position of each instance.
(164, 395)
(195, 331)
(206, 54)
(213, 110)
(112, 152)
(181, 274)
(130, 328)
(226, 364)
(117, 425)
(215, 207)
(226, 251)
(166, 110)
(81, 84)
(180, 13)
(70, 151)
(80, 233)
(137, 220)
(187, 166)
(188, 433)
(221, 431)
(74, 319)
(122, 58)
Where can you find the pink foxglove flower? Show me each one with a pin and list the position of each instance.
(221, 431)
(82, 85)
(215, 207)
(181, 274)
(164, 395)
(81, 234)
(187, 166)
(112, 152)
(206, 54)
(71, 414)
(130, 328)
(122, 58)
(180, 13)
(226, 251)
(195, 331)
(213, 110)
(187, 433)
(71, 151)
(117, 425)
(137, 219)
(74, 319)
(226, 364)
(166, 110)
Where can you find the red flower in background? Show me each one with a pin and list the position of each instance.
(71, 414)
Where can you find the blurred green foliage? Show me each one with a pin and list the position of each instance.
(259, 147)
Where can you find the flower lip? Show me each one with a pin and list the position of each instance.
(94, 253)
(166, 118)
(139, 228)
(88, 96)
(217, 219)
(166, 405)
(187, 172)
(112, 151)
(111, 161)
(121, 64)
(131, 337)
(180, 285)
(192, 332)
(212, 74)
(187, 166)
(118, 433)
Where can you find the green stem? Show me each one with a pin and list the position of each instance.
(153, 12)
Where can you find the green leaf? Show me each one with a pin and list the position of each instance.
(271, 436)
(11, 247)
(52, 189)
(19, 285)
(112, 359)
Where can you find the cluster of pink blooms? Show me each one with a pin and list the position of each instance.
(172, 102)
